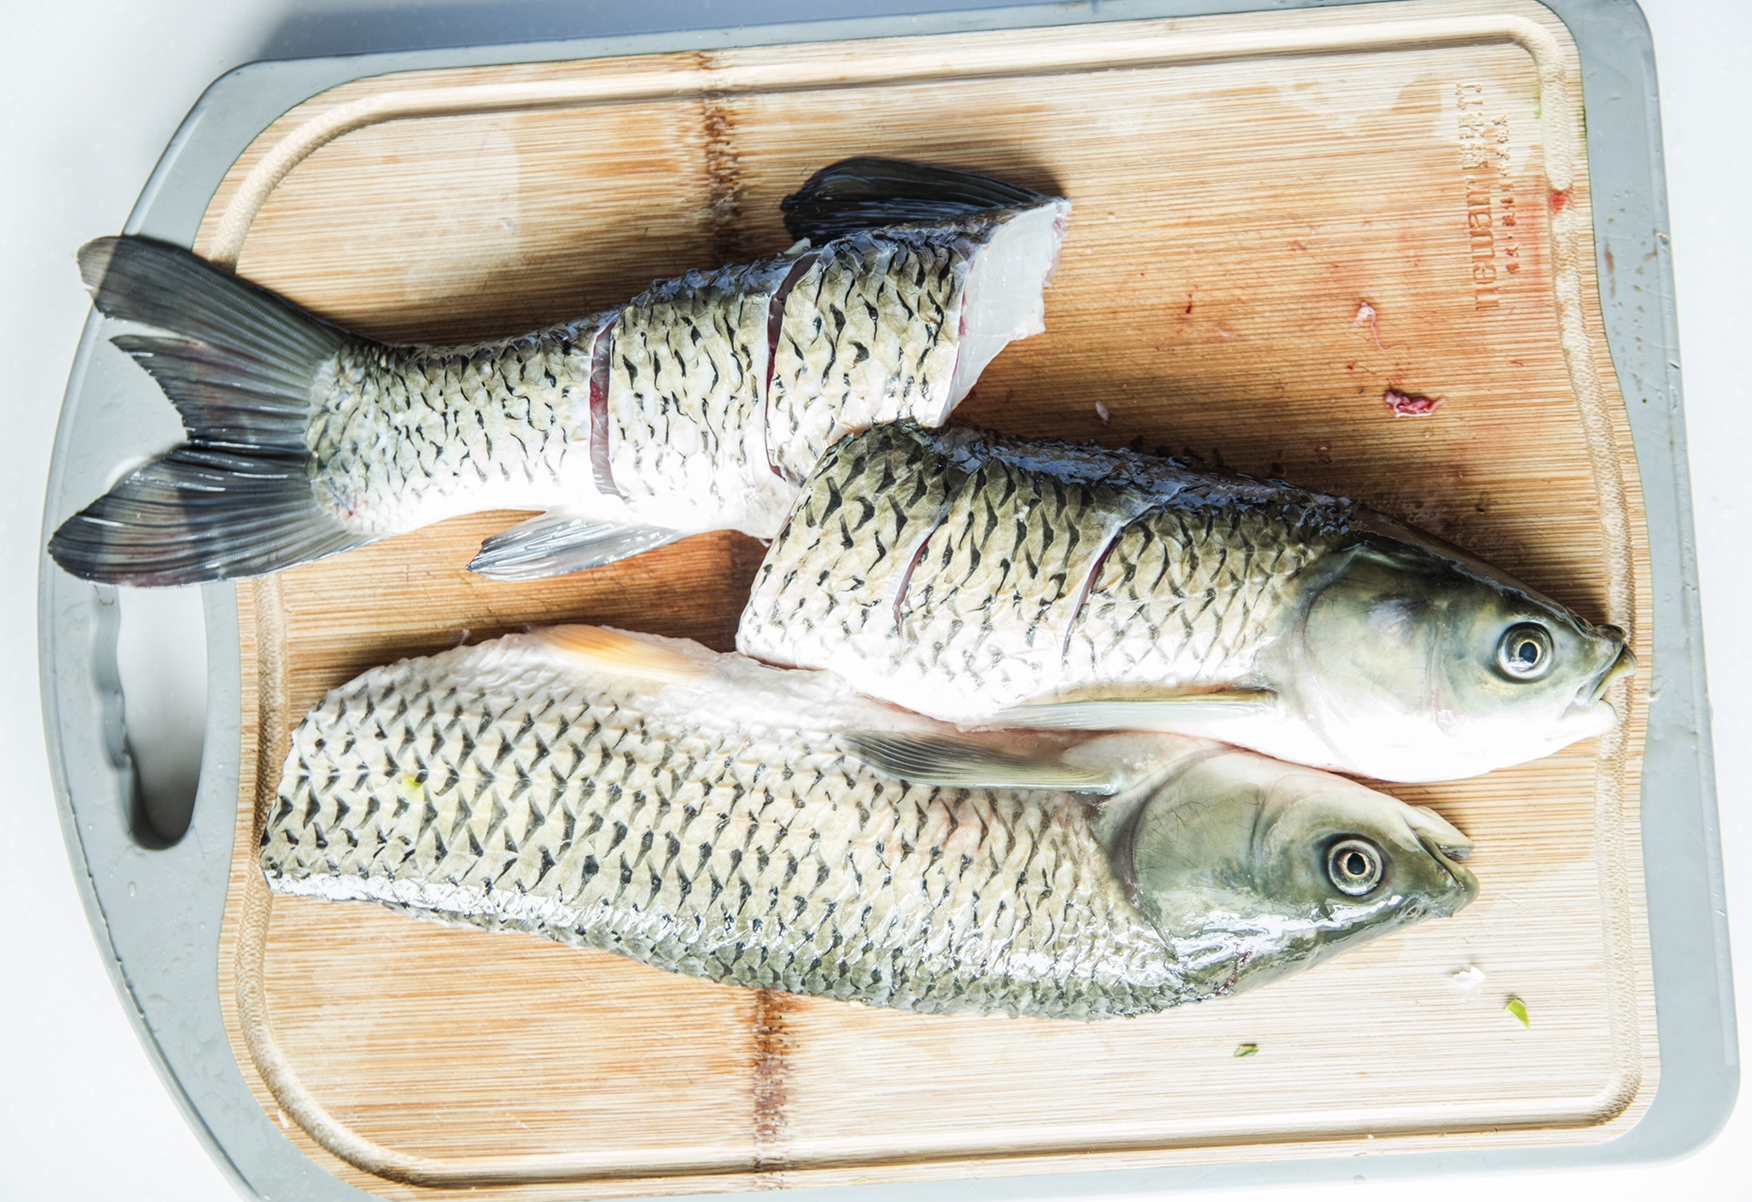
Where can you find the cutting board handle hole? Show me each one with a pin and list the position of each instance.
(161, 666)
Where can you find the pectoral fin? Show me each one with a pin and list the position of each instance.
(1169, 712)
(966, 764)
(557, 543)
(617, 653)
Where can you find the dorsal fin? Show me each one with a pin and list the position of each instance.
(868, 193)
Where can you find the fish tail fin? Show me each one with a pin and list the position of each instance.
(241, 369)
(867, 193)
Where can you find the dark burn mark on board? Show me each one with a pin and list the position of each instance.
(723, 169)
(771, 1047)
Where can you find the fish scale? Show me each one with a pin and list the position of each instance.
(735, 842)
(1027, 571)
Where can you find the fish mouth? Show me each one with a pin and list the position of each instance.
(1444, 844)
(1623, 664)
(1463, 886)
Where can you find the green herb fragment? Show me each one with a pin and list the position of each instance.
(1246, 1049)
(1518, 1008)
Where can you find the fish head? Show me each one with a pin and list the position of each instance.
(1251, 868)
(1415, 662)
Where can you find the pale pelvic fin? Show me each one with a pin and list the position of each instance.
(601, 649)
(1169, 712)
(557, 543)
(966, 764)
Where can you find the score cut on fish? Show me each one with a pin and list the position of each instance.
(993, 581)
(699, 405)
(712, 816)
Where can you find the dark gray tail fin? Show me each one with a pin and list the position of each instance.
(235, 499)
(867, 193)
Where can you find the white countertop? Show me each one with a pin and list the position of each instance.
(93, 91)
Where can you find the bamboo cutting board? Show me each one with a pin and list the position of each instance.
(1281, 223)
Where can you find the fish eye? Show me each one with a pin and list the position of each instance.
(1354, 865)
(1525, 651)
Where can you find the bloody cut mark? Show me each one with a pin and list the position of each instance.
(913, 563)
(1088, 584)
(600, 467)
(1559, 200)
(1406, 404)
(775, 323)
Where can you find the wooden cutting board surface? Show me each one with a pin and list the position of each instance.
(1278, 219)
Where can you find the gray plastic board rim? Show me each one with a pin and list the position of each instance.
(157, 913)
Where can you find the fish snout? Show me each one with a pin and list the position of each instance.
(1462, 886)
(1623, 664)
(1444, 843)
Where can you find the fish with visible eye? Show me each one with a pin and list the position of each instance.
(1002, 582)
(760, 827)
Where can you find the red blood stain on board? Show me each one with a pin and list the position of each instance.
(1406, 404)
(1559, 200)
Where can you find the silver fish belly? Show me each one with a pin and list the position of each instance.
(710, 816)
(987, 580)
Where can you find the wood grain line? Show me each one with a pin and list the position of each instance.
(771, 1046)
(723, 173)
(1356, 35)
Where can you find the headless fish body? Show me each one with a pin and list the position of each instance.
(712, 816)
(697, 406)
(992, 581)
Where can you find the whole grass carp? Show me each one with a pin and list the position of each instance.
(712, 816)
(698, 405)
(991, 581)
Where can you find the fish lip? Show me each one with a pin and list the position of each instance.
(1465, 885)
